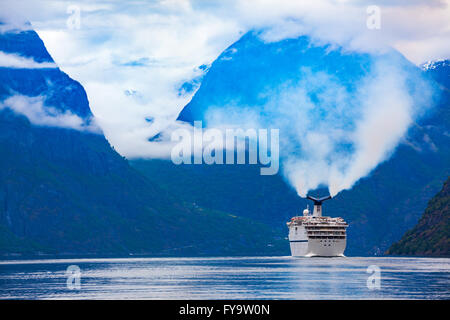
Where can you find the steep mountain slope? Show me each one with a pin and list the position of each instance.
(249, 72)
(439, 70)
(59, 90)
(431, 235)
(67, 191)
(379, 208)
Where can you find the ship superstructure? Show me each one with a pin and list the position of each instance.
(316, 235)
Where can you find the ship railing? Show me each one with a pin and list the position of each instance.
(324, 226)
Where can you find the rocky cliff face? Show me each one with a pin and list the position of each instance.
(431, 235)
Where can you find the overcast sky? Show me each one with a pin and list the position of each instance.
(132, 56)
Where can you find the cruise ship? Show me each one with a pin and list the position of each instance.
(315, 235)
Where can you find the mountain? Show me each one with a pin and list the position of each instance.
(431, 235)
(64, 190)
(379, 208)
(59, 90)
(248, 73)
(439, 70)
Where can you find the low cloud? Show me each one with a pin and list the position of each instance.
(39, 114)
(10, 60)
(151, 48)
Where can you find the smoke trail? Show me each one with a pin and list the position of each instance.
(332, 133)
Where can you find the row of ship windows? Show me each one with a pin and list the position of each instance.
(329, 234)
(308, 226)
(325, 227)
(326, 237)
(326, 234)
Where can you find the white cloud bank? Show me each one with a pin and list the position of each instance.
(151, 47)
(10, 60)
(131, 57)
(39, 114)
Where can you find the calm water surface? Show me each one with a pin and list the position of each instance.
(226, 278)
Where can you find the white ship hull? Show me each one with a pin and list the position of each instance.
(317, 248)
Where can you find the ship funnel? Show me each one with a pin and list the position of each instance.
(318, 205)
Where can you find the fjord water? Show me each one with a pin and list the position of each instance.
(227, 278)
